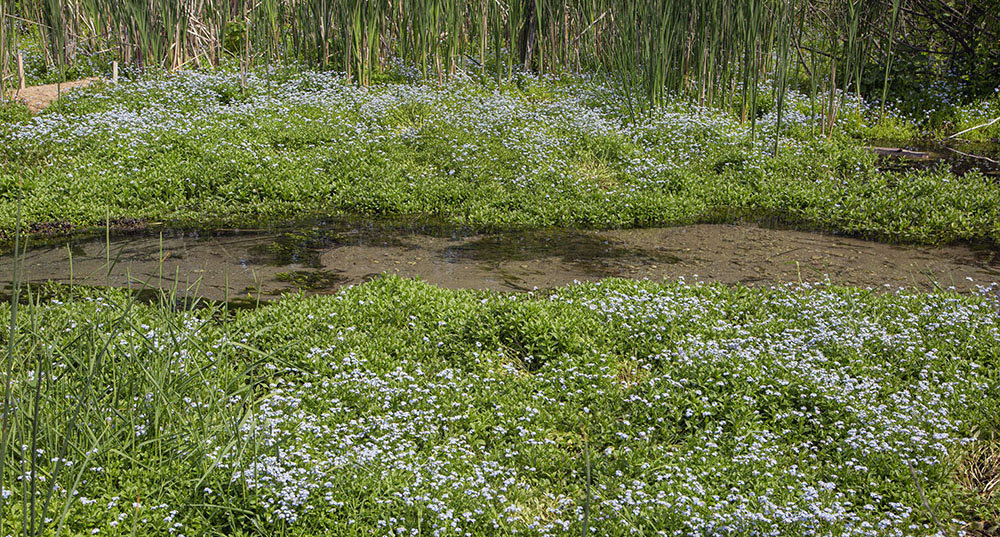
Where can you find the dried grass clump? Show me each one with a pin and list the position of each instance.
(979, 473)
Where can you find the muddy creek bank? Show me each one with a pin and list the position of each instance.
(250, 264)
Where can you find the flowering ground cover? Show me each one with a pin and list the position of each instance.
(398, 408)
(196, 148)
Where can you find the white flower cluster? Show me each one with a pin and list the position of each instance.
(516, 139)
(775, 419)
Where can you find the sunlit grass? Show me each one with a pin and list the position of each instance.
(397, 406)
(195, 148)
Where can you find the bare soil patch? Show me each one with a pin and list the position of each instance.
(38, 98)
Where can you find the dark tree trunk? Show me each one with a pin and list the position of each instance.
(528, 35)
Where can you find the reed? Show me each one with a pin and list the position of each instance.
(65, 404)
(5, 56)
(10, 357)
(888, 61)
(718, 52)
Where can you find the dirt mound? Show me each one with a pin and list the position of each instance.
(38, 98)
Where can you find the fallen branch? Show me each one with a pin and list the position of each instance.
(987, 124)
(987, 159)
(902, 153)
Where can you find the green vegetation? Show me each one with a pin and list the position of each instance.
(714, 51)
(400, 406)
(197, 148)
(397, 408)
(653, 45)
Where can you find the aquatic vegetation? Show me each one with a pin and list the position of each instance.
(546, 151)
(652, 47)
(396, 407)
(312, 280)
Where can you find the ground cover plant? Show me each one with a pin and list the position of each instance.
(398, 408)
(197, 148)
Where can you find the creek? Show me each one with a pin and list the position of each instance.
(322, 257)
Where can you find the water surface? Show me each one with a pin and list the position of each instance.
(251, 264)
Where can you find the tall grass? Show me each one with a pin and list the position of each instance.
(5, 59)
(118, 391)
(125, 390)
(9, 359)
(717, 51)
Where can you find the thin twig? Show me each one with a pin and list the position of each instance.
(927, 505)
(15, 17)
(987, 159)
(591, 25)
(987, 124)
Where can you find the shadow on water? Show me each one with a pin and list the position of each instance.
(314, 280)
(303, 246)
(576, 247)
(246, 266)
